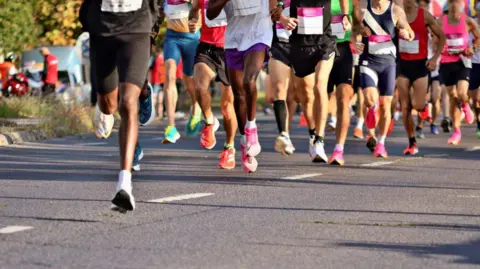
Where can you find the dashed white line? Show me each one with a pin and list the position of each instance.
(13, 229)
(180, 197)
(92, 144)
(473, 148)
(301, 176)
(436, 155)
(375, 164)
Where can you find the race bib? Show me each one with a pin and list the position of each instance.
(283, 34)
(219, 21)
(177, 9)
(455, 43)
(121, 6)
(409, 47)
(380, 44)
(310, 20)
(246, 7)
(337, 26)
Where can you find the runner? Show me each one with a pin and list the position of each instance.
(475, 76)
(158, 81)
(456, 64)
(341, 78)
(357, 49)
(120, 42)
(180, 44)
(281, 80)
(209, 65)
(312, 55)
(247, 41)
(414, 67)
(378, 67)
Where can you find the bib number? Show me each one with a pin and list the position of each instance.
(380, 44)
(121, 6)
(177, 9)
(283, 34)
(246, 7)
(455, 44)
(310, 20)
(337, 26)
(409, 47)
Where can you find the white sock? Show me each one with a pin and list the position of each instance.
(381, 139)
(360, 122)
(339, 147)
(251, 124)
(333, 119)
(209, 120)
(124, 181)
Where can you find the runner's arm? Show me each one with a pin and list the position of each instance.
(472, 24)
(215, 7)
(401, 22)
(437, 32)
(193, 14)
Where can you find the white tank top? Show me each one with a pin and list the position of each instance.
(244, 31)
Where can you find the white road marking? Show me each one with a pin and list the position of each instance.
(180, 197)
(14, 229)
(436, 155)
(375, 164)
(468, 196)
(92, 144)
(301, 176)
(473, 148)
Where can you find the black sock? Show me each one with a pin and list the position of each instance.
(418, 128)
(412, 141)
(311, 132)
(318, 139)
(280, 108)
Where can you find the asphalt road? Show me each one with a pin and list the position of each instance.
(403, 212)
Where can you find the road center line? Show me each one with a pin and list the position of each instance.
(180, 197)
(92, 144)
(473, 148)
(301, 176)
(13, 229)
(375, 164)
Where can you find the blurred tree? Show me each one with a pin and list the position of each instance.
(18, 28)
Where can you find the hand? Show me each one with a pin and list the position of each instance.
(192, 25)
(365, 31)
(432, 64)
(359, 46)
(288, 23)
(406, 34)
(469, 52)
(346, 24)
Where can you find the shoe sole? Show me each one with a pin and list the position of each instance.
(124, 201)
(168, 141)
(282, 148)
(336, 162)
(380, 156)
(226, 167)
(319, 159)
(253, 170)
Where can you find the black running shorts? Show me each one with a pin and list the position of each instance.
(453, 72)
(280, 51)
(119, 59)
(304, 59)
(474, 77)
(213, 57)
(342, 67)
(413, 69)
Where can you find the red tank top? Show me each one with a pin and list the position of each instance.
(417, 49)
(212, 31)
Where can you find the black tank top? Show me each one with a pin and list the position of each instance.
(311, 39)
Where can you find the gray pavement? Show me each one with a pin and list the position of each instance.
(417, 212)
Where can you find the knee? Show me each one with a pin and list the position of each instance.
(250, 82)
(128, 105)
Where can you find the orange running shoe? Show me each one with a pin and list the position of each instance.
(358, 133)
(411, 150)
(207, 139)
(227, 159)
(425, 114)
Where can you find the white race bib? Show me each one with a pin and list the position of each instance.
(409, 47)
(121, 6)
(455, 43)
(337, 26)
(380, 44)
(282, 33)
(310, 20)
(246, 7)
(219, 21)
(177, 9)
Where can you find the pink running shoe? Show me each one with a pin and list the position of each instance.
(252, 145)
(249, 164)
(468, 113)
(372, 118)
(455, 138)
(337, 158)
(380, 151)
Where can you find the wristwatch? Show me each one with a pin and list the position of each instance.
(280, 4)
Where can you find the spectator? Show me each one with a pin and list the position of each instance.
(50, 72)
(157, 80)
(7, 68)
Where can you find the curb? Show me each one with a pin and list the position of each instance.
(21, 137)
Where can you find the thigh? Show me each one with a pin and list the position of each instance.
(188, 48)
(171, 50)
(132, 59)
(103, 61)
(254, 62)
(203, 75)
(386, 80)
(368, 77)
(322, 72)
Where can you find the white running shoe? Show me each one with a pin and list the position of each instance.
(283, 144)
(103, 124)
(318, 153)
(124, 198)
